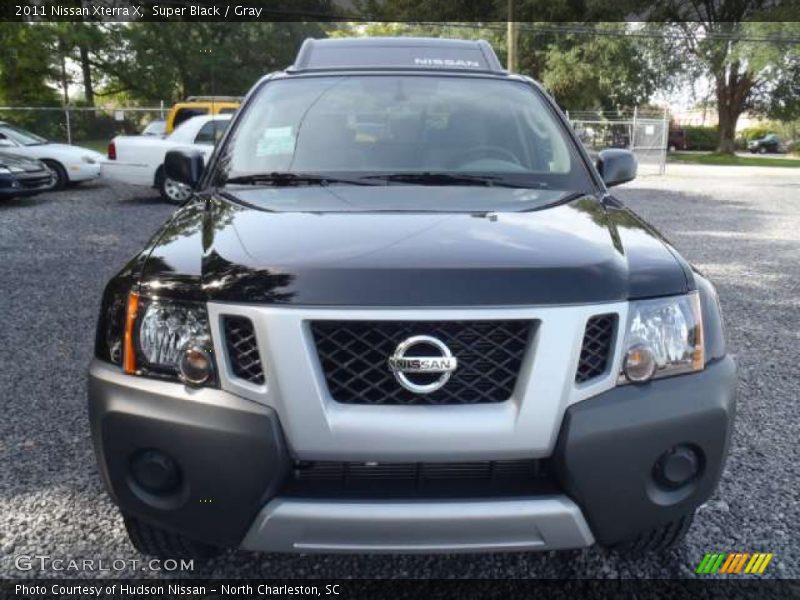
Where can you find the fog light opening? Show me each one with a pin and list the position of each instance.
(195, 366)
(677, 467)
(155, 472)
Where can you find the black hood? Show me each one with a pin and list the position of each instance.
(20, 162)
(582, 251)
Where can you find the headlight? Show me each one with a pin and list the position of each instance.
(5, 170)
(166, 337)
(664, 337)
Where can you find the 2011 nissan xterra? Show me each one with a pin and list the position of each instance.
(403, 313)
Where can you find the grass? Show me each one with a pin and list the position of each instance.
(734, 161)
(97, 145)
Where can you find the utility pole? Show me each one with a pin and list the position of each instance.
(512, 36)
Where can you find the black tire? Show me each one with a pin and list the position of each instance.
(162, 183)
(658, 539)
(154, 541)
(61, 174)
(762, 150)
(159, 183)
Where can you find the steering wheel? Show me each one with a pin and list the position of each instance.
(479, 152)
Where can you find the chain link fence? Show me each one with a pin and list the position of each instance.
(82, 126)
(645, 132)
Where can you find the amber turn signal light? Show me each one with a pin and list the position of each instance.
(129, 353)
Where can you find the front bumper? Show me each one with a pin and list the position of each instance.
(25, 184)
(83, 171)
(235, 460)
(382, 526)
(128, 172)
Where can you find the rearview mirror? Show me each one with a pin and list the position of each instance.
(616, 166)
(184, 167)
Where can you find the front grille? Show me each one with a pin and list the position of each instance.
(34, 182)
(243, 356)
(422, 479)
(354, 357)
(597, 345)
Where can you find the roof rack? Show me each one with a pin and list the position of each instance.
(213, 99)
(400, 53)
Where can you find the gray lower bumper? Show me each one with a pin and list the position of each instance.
(541, 523)
(234, 463)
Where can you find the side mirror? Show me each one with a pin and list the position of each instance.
(184, 167)
(616, 166)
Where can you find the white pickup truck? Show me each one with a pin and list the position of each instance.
(139, 159)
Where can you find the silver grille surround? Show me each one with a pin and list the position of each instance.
(317, 427)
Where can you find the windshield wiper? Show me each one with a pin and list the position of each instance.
(287, 178)
(438, 178)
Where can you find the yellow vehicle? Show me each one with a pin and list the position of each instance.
(195, 106)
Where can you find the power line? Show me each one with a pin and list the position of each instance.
(333, 17)
(523, 26)
(615, 32)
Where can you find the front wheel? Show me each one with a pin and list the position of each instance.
(171, 190)
(154, 541)
(62, 179)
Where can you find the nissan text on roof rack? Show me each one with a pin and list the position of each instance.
(402, 312)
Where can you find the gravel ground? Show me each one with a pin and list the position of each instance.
(740, 226)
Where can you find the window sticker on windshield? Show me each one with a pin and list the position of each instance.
(276, 140)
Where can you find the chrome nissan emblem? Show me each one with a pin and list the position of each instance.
(404, 362)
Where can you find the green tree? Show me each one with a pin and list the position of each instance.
(26, 65)
(592, 69)
(80, 41)
(716, 41)
(149, 62)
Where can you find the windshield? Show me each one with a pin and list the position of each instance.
(26, 138)
(405, 130)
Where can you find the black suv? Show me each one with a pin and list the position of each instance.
(769, 143)
(403, 313)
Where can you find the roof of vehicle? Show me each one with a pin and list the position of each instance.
(204, 102)
(406, 53)
(213, 99)
(205, 119)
